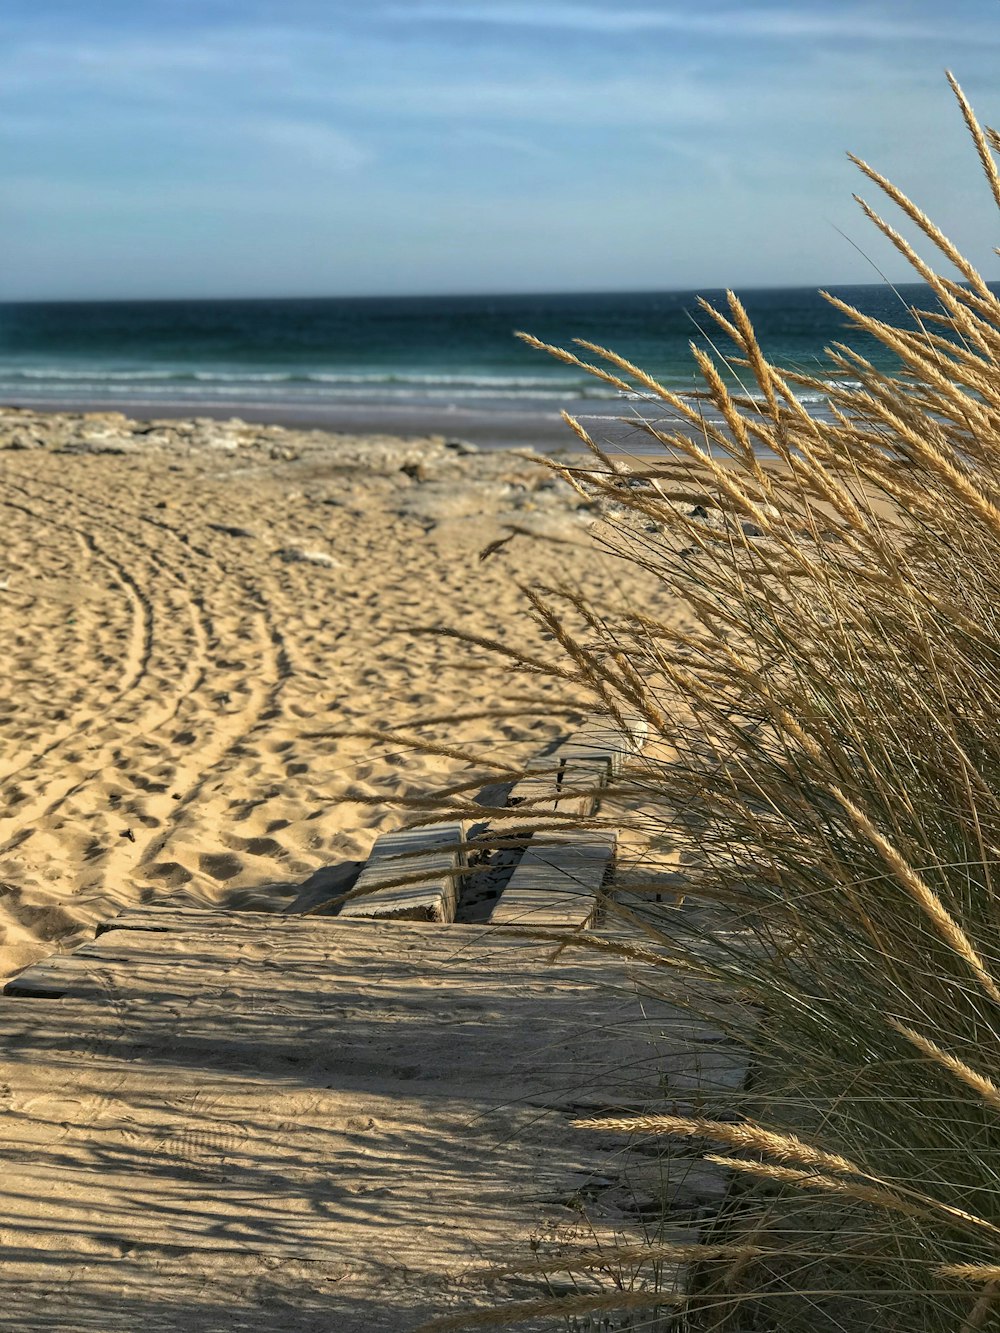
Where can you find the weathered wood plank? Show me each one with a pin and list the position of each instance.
(169, 920)
(434, 853)
(292, 1173)
(710, 1071)
(45, 981)
(557, 881)
(579, 787)
(567, 788)
(602, 743)
(453, 1009)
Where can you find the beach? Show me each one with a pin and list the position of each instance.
(198, 621)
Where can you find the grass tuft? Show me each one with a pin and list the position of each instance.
(825, 761)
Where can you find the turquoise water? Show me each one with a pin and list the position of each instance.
(451, 359)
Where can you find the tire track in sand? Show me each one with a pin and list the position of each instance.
(270, 670)
(140, 639)
(134, 671)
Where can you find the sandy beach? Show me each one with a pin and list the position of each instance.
(183, 604)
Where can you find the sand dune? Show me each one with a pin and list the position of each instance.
(182, 605)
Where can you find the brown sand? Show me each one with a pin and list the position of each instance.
(182, 604)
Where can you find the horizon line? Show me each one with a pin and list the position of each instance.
(459, 296)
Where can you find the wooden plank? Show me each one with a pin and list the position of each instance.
(712, 1070)
(557, 881)
(48, 980)
(539, 790)
(152, 920)
(601, 742)
(434, 852)
(566, 788)
(663, 887)
(579, 787)
(262, 1172)
(368, 1005)
(380, 1109)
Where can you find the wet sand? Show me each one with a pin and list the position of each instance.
(612, 423)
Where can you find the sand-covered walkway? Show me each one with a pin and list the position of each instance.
(182, 605)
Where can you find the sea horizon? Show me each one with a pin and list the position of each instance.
(447, 364)
(473, 295)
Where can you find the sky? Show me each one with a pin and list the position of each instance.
(187, 148)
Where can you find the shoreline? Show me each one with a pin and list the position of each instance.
(543, 430)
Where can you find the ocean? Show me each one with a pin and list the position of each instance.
(401, 365)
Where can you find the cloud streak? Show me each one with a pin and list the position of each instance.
(769, 23)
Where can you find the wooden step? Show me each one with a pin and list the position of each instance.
(557, 881)
(434, 853)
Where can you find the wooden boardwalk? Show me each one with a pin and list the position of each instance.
(249, 1122)
(244, 1121)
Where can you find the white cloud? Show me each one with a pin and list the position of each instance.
(317, 144)
(580, 100)
(778, 23)
(150, 67)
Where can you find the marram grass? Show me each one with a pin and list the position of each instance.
(830, 721)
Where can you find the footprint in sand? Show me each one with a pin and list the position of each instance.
(220, 865)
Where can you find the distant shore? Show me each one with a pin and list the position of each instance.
(494, 429)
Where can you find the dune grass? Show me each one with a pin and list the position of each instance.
(827, 761)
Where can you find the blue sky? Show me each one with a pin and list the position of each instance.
(314, 147)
